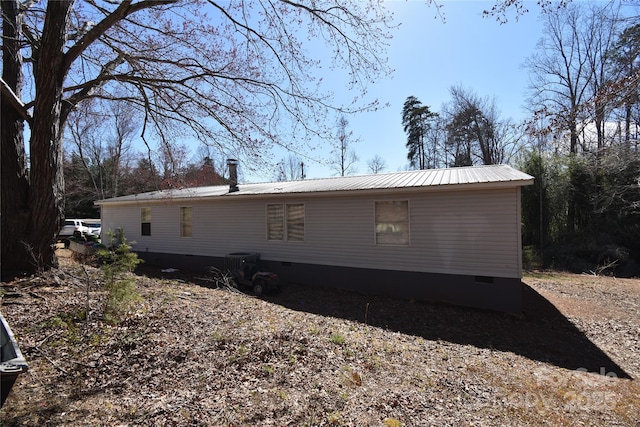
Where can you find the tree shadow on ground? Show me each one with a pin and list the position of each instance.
(542, 333)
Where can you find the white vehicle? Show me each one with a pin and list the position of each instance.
(72, 227)
(94, 227)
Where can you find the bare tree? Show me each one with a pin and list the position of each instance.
(172, 158)
(85, 133)
(228, 73)
(476, 132)
(560, 74)
(290, 168)
(624, 89)
(119, 144)
(435, 142)
(344, 157)
(376, 164)
(101, 137)
(568, 78)
(501, 9)
(599, 31)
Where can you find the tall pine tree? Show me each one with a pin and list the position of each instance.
(416, 121)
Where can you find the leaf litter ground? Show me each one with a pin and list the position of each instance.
(194, 355)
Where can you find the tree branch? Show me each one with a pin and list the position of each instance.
(15, 102)
(125, 9)
(88, 88)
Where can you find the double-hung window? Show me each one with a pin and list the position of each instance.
(285, 221)
(145, 221)
(295, 222)
(392, 223)
(275, 222)
(186, 222)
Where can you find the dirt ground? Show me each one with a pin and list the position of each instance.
(189, 354)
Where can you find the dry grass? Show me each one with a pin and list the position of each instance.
(190, 355)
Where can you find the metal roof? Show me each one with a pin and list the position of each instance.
(428, 179)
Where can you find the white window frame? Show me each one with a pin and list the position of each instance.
(396, 232)
(145, 218)
(282, 226)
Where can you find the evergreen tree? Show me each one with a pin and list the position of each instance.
(416, 122)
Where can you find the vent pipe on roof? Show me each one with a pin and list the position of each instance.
(232, 164)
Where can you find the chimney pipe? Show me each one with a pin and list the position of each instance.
(232, 164)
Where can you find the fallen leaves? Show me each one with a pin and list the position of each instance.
(190, 355)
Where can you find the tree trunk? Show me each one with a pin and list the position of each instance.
(600, 123)
(627, 123)
(14, 183)
(571, 203)
(46, 198)
(34, 226)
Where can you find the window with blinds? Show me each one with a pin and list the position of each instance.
(145, 221)
(295, 222)
(186, 224)
(285, 222)
(392, 223)
(275, 222)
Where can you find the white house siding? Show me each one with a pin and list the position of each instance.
(466, 232)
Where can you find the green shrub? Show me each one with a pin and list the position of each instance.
(531, 260)
(117, 260)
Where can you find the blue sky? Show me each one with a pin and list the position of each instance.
(429, 56)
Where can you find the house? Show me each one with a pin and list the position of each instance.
(449, 235)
